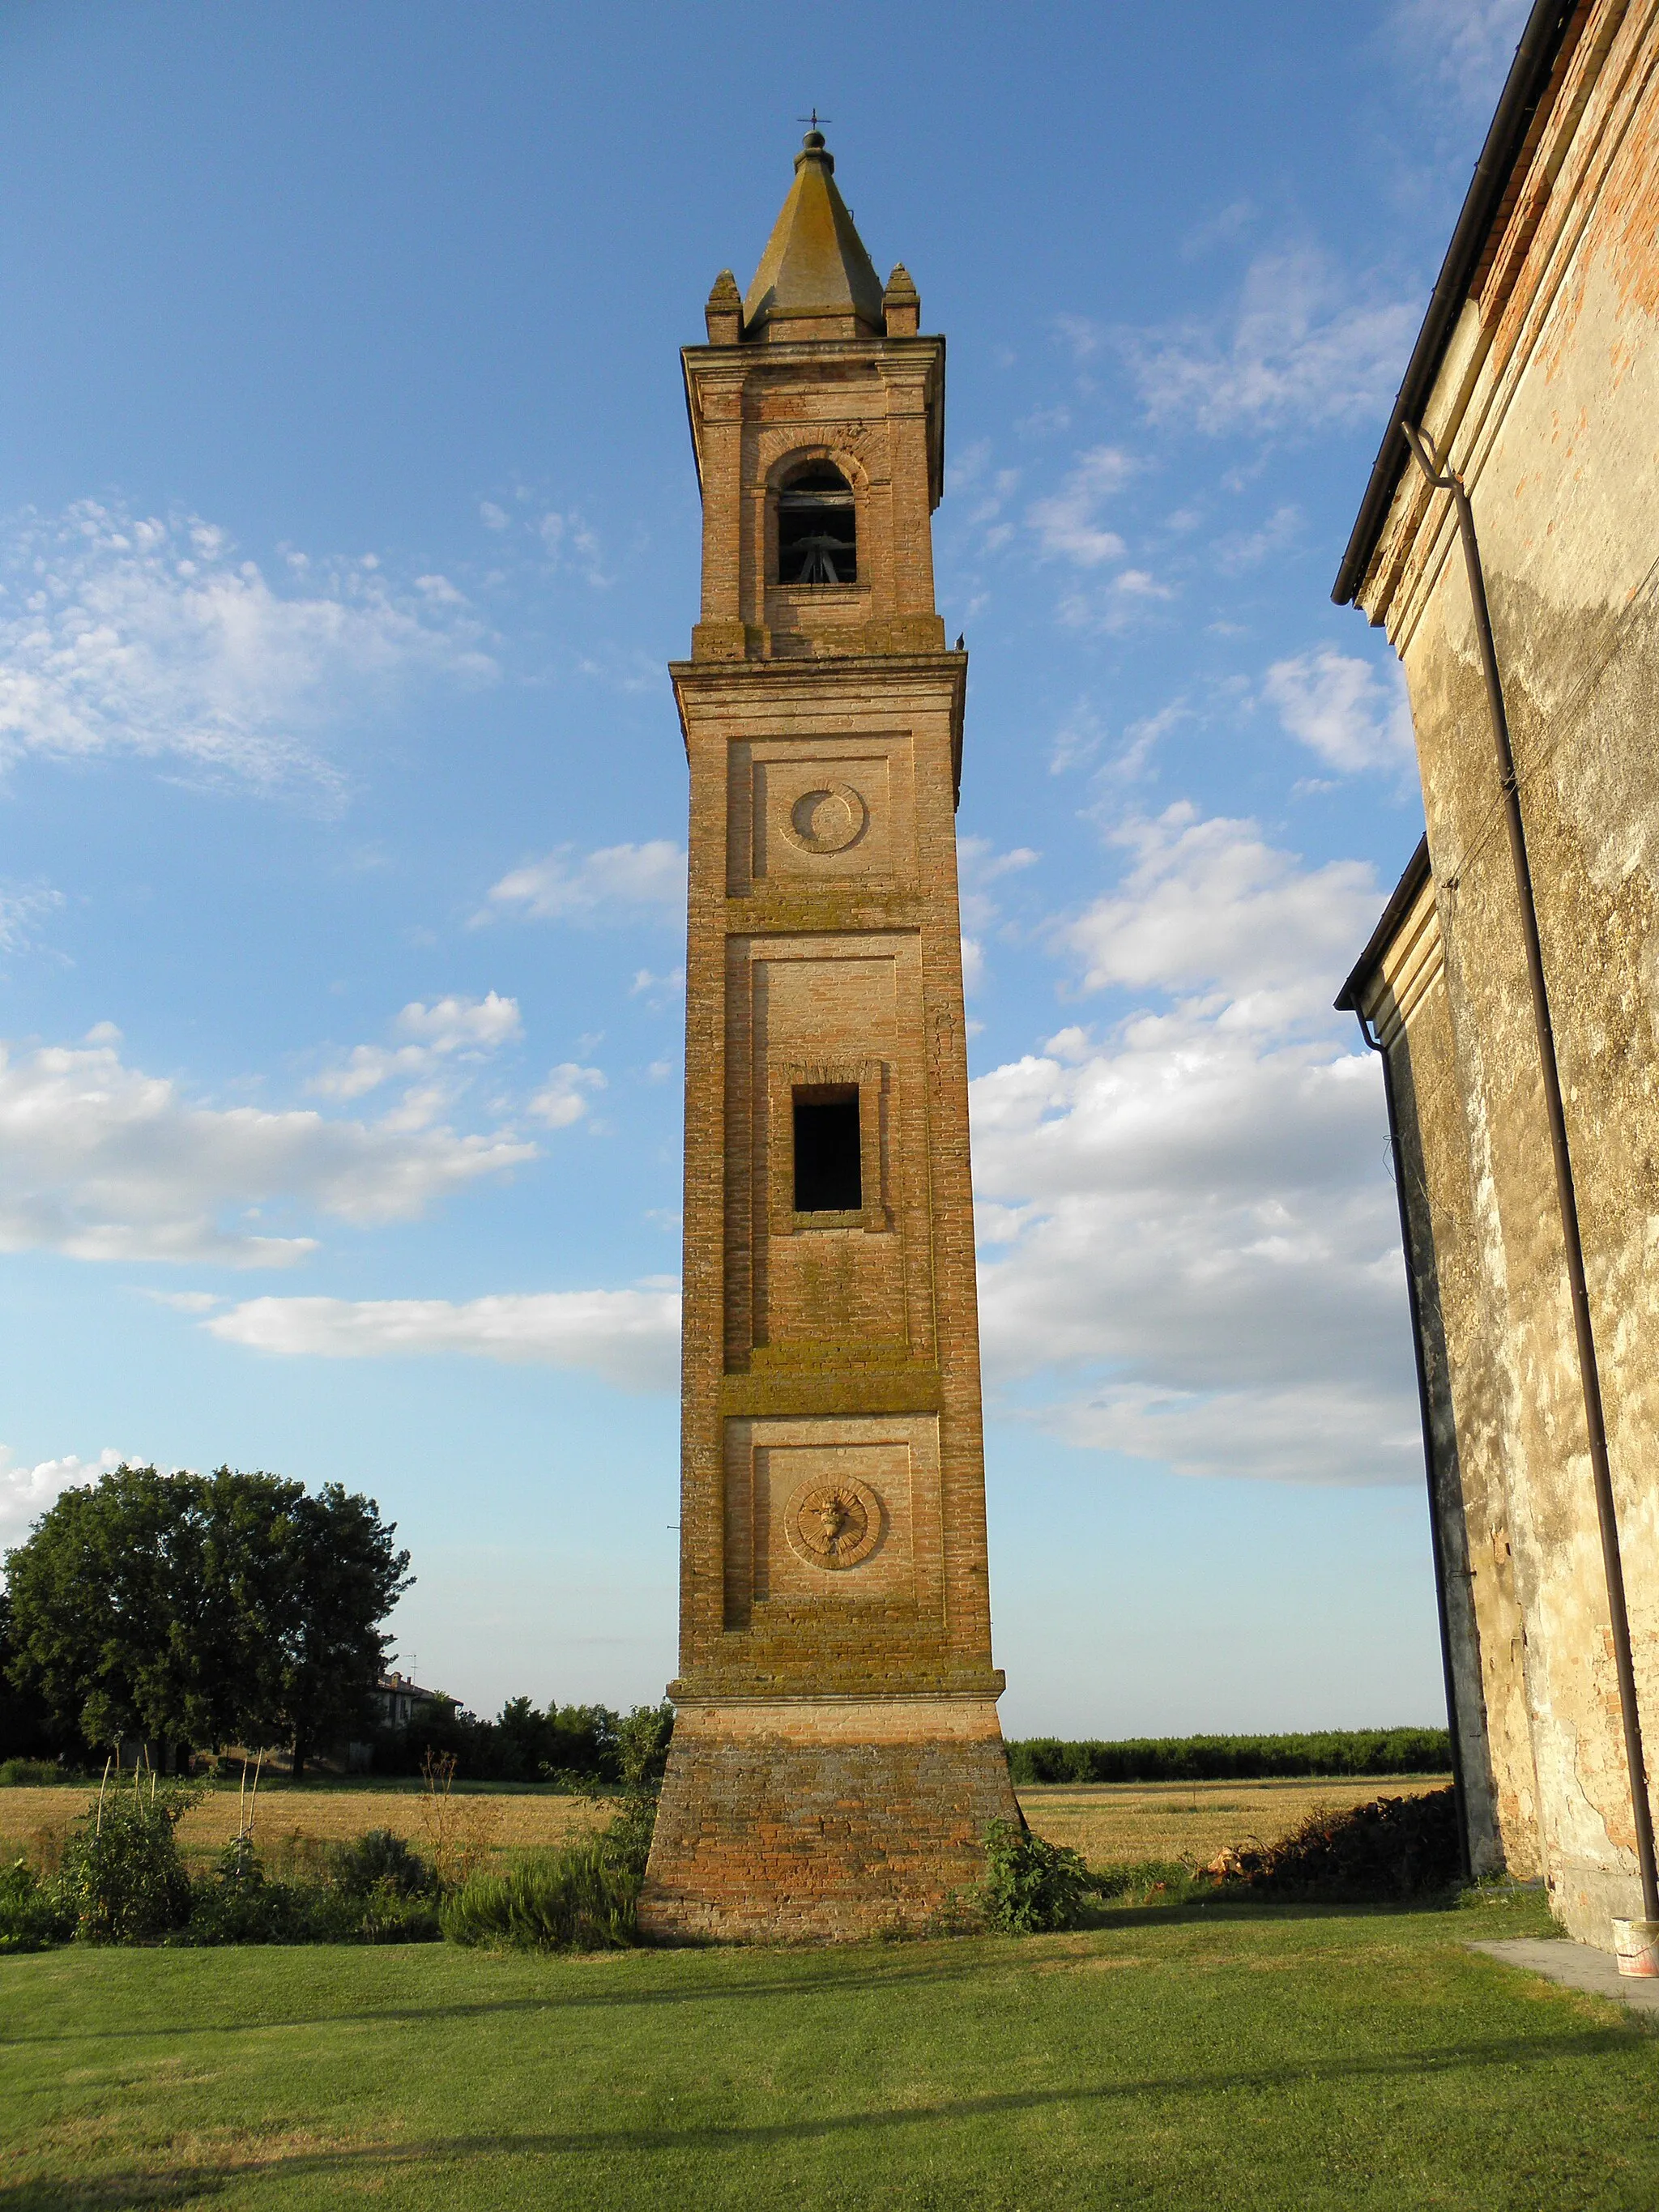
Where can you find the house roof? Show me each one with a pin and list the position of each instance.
(815, 263)
(400, 1686)
(1405, 895)
(1485, 206)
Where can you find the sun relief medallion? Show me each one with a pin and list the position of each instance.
(827, 820)
(833, 1525)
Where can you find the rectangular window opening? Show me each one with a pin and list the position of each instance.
(828, 1167)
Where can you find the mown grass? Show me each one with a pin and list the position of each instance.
(1203, 2057)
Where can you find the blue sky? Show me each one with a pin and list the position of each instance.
(347, 521)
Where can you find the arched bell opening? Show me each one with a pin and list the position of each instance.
(817, 527)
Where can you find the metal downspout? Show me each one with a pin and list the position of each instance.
(1446, 479)
(1416, 1310)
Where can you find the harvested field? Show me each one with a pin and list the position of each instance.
(289, 1821)
(1126, 1823)
(1112, 1824)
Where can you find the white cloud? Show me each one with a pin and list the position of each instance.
(630, 1338)
(1466, 45)
(469, 1029)
(979, 865)
(1302, 352)
(1186, 1259)
(614, 882)
(1082, 337)
(1247, 549)
(127, 634)
(1077, 740)
(1069, 522)
(568, 541)
(565, 1096)
(101, 1162)
(1116, 605)
(655, 989)
(1353, 714)
(25, 1492)
(1210, 911)
(21, 906)
(1142, 738)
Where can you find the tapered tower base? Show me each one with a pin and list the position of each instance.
(822, 1819)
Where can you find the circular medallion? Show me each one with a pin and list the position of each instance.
(828, 820)
(833, 1525)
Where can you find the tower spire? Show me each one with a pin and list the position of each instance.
(815, 270)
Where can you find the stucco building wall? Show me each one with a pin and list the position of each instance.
(1546, 402)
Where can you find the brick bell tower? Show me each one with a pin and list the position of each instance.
(837, 1754)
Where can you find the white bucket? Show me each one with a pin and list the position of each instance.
(1636, 1944)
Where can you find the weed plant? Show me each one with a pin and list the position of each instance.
(583, 1896)
(121, 1880)
(29, 1773)
(1031, 1886)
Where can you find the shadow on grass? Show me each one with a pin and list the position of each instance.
(831, 1976)
(163, 2185)
(1241, 1910)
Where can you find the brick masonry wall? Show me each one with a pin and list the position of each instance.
(833, 1561)
(823, 1821)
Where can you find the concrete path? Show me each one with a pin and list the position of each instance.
(1579, 1967)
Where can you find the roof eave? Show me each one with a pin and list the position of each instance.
(1528, 80)
(1405, 892)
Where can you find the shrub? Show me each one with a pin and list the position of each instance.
(642, 1741)
(1030, 1885)
(122, 1880)
(392, 1916)
(31, 1913)
(28, 1773)
(583, 1896)
(381, 1861)
(578, 1899)
(239, 1903)
(236, 1904)
(1394, 1847)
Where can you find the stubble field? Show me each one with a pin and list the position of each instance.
(1111, 1824)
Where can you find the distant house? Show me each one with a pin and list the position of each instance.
(399, 1701)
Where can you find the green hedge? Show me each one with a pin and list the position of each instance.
(1232, 1758)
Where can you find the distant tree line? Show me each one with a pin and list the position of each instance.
(565, 1743)
(199, 1610)
(1232, 1758)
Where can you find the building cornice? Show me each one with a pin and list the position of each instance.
(1486, 206)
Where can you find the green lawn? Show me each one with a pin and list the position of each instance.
(1206, 2057)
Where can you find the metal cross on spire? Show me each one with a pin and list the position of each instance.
(815, 121)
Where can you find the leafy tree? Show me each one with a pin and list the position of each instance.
(344, 1578)
(27, 1728)
(205, 1609)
